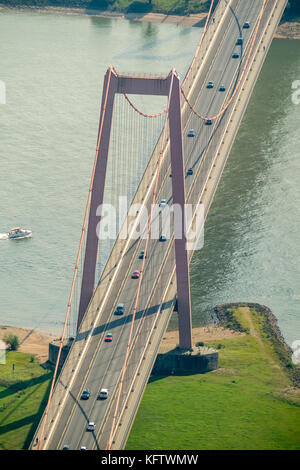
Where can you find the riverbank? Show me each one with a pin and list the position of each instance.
(37, 343)
(249, 403)
(253, 395)
(286, 30)
(192, 20)
(31, 341)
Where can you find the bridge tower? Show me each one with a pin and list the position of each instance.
(169, 86)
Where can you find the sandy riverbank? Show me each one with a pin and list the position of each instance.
(31, 341)
(190, 20)
(287, 30)
(35, 342)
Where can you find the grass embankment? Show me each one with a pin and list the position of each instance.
(248, 403)
(23, 395)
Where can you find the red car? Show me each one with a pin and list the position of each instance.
(108, 337)
(135, 275)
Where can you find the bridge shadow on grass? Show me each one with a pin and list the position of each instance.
(24, 384)
(17, 424)
(32, 419)
(126, 319)
(37, 417)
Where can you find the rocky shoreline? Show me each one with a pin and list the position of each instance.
(271, 330)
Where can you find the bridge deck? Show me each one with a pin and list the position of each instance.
(93, 363)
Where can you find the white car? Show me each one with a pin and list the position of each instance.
(163, 203)
(103, 393)
(91, 426)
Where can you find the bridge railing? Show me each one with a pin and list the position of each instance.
(64, 381)
(75, 356)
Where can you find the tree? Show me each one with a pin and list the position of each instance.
(12, 340)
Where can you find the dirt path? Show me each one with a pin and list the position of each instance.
(254, 332)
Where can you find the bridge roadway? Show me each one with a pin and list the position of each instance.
(93, 363)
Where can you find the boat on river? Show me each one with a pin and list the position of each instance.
(18, 232)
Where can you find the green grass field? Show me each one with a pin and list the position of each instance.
(248, 403)
(23, 395)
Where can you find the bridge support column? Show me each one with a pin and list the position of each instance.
(148, 86)
(90, 260)
(178, 189)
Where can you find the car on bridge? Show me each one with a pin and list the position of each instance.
(163, 203)
(108, 338)
(208, 122)
(191, 133)
(239, 42)
(91, 426)
(189, 172)
(142, 255)
(163, 238)
(83, 448)
(210, 84)
(222, 88)
(135, 275)
(119, 309)
(66, 447)
(85, 394)
(235, 55)
(103, 394)
(246, 25)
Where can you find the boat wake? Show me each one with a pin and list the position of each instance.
(3, 236)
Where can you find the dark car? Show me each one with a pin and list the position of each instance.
(246, 25)
(222, 88)
(210, 84)
(119, 309)
(239, 42)
(108, 338)
(142, 255)
(235, 55)
(189, 172)
(208, 122)
(85, 395)
(191, 133)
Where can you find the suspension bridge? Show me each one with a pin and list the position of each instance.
(175, 156)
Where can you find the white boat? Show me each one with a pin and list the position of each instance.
(18, 232)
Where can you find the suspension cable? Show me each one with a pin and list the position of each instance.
(40, 438)
(141, 113)
(240, 79)
(200, 42)
(154, 197)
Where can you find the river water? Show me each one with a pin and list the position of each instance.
(53, 66)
